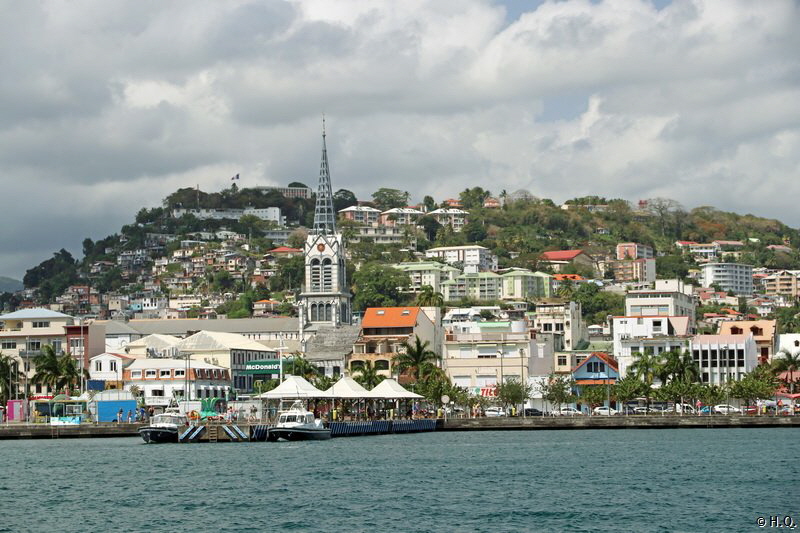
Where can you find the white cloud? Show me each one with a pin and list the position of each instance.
(104, 109)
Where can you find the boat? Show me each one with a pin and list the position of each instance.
(298, 423)
(164, 427)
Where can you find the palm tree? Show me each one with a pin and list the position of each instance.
(645, 368)
(367, 375)
(302, 367)
(678, 366)
(48, 368)
(429, 298)
(417, 359)
(70, 374)
(9, 376)
(788, 363)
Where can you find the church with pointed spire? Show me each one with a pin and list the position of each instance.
(325, 297)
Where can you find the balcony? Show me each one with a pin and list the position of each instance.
(488, 337)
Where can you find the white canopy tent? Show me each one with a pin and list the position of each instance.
(294, 387)
(391, 389)
(349, 389)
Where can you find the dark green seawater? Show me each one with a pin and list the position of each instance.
(597, 480)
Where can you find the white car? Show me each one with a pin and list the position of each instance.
(495, 411)
(569, 411)
(604, 410)
(724, 409)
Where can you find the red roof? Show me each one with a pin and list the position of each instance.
(562, 255)
(607, 359)
(562, 277)
(285, 250)
(390, 317)
(685, 242)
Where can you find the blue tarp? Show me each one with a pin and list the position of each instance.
(107, 411)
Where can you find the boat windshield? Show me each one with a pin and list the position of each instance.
(169, 419)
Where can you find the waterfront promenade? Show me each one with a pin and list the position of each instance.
(42, 431)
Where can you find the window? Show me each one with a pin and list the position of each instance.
(180, 373)
(113, 365)
(136, 374)
(381, 364)
(562, 360)
(150, 373)
(8, 345)
(164, 373)
(34, 346)
(98, 366)
(41, 324)
(595, 367)
(157, 392)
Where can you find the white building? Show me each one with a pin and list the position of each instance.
(430, 273)
(651, 335)
(482, 354)
(724, 358)
(731, 277)
(108, 367)
(400, 216)
(474, 258)
(450, 216)
(523, 284)
(160, 380)
(669, 298)
(561, 319)
(272, 214)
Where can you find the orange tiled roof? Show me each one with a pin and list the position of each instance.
(561, 255)
(390, 317)
(562, 277)
(607, 359)
(285, 250)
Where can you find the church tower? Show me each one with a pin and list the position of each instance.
(325, 297)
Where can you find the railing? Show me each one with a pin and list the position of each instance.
(487, 337)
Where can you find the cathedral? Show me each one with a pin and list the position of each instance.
(325, 299)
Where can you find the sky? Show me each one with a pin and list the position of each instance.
(108, 107)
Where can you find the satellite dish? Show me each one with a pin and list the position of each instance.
(445, 399)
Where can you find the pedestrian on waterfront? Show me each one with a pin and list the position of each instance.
(119, 417)
(130, 416)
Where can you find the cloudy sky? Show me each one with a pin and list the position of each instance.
(106, 107)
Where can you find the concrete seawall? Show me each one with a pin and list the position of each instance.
(617, 422)
(44, 431)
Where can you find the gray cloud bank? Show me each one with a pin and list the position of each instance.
(106, 107)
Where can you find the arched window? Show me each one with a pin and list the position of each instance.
(315, 276)
(328, 316)
(313, 313)
(381, 364)
(327, 275)
(355, 365)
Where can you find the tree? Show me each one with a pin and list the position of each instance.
(789, 363)
(671, 267)
(427, 297)
(474, 197)
(627, 389)
(557, 389)
(678, 366)
(430, 226)
(753, 386)
(645, 367)
(416, 359)
(376, 285)
(9, 377)
(429, 203)
(343, 198)
(300, 366)
(593, 395)
(367, 375)
(48, 368)
(513, 391)
(386, 198)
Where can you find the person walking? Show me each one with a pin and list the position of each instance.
(119, 416)
(130, 416)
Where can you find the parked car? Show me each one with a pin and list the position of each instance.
(684, 409)
(604, 410)
(750, 410)
(569, 411)
(494, 411)
(532, 411)
(725, 409)
(642, 410)
(706, 410)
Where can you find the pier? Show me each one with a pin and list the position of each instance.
(617, 422)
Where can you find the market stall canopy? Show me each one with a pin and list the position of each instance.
(293, 387)
(392, 390)
(347, 389)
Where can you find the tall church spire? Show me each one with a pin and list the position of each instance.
(324, 215)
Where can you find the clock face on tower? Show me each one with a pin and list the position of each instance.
(321, 247)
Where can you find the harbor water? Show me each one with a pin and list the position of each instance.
(596, 480)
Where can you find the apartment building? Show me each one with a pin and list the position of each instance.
(478, 286)
(634, 270)
(634, 250)
(430, 273)
(451, 216)
(724, 358)
(730, 277)
(161, 380)
(669, 298)
(400, 216)
(563, 320)
(474, 258)
(782, 283)
(521, 284)
(361, 214)
(651, 335)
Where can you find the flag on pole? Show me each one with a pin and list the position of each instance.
(236, 177)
